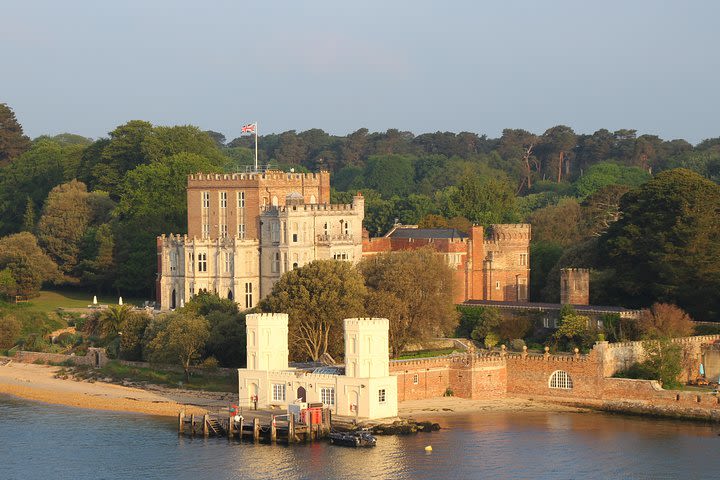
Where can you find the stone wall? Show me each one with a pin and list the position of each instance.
(461, 375)
(94, 357)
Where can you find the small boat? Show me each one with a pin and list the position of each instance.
(360, 438)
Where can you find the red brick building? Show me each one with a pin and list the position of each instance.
(488, 265)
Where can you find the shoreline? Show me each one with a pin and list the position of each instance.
(38, 383)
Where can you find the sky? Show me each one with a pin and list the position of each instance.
(86, 67)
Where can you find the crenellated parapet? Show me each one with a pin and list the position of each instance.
(509, 232)
(255, 176)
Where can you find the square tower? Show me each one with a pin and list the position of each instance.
(367, 347)
(575, 286)
(267, 341)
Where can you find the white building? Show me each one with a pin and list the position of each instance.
(364, 390)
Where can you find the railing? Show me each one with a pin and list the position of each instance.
(335, 238)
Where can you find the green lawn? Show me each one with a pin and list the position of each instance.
(427, 353)
(50, 300)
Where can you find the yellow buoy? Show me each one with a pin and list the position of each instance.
(428, 448)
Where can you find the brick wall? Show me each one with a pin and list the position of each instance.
(467, 376)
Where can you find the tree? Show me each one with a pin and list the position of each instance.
(65, 217)
(605, 174)
(574, 328)
(477, 322)
(12, 140)
(10, 328)
(663, 320)
(423, 283)
(317, 297)
(664, 361)
(560, 224)
(181, 338)
(8, 285)
(112, 321)
(390, 175)
(133, 330)
(483, 200)
(29, 265)
(28, 224)
(665, 245)
(227, 338)
(602, 209)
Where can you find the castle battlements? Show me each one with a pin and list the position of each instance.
(508, 231)
(308, 207)
(267, 318)
(366, 321)
(269, 175)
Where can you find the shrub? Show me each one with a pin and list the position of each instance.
(210, 363)
(10, 328)
(476, 322)
(517, 344)
(665, 320)
(491, 339)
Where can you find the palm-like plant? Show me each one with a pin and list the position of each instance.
(113, 319)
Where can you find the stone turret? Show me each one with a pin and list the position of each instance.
(267, 341)
(575, 286)
(366, 347)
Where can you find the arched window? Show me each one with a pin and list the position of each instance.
(560, 379)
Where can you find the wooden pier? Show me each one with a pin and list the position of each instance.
(267, 428)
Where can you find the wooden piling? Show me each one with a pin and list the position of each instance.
(192, 424)
(273, 430)
(256, 429)
(181, 421)
(206, 431)
(310, 434)
(231, 426)
(242, 421)
(291, 428)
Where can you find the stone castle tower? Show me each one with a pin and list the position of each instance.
(575, 286)
(267, 341)
(366, 347)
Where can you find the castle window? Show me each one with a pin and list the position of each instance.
(313, 199)
(560, 379)
(241, 199)
(172, 262)
(546, 322)
(326, 229)
(497, 285)
(192, 261)
(327, 395)
(275, 268)
(228, 262)
(278, 392)
(206, 230)
(223, 199)
(523, 259)
(294, 237)
(202, 262)
(416, 379)
(381, 395)
(223, 230)
(346, 227)
(241, 231)
(249, 299)
(205, 199)
(275, 201)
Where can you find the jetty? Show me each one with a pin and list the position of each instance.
(259, 426)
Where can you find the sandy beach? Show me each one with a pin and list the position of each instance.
(38, 382)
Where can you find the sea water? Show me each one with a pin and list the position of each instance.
(41, 441)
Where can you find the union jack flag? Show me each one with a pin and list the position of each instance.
(249, 128)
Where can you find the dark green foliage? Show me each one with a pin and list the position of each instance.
(10, 328)
(664, 363)
(666, 245)
(12, 140)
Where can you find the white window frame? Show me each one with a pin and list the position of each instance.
(561, 380)
(228, 262)
(497, 285)
(327, 395)
(382, 396)
(523, 259)
(205, 199)
(248, 295)
(223, 199)
(416, 379)
(202, 262)
(278, 392)
(241, 199)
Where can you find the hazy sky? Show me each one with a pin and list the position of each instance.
(87, 66)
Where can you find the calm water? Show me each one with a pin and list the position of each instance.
(48, 442)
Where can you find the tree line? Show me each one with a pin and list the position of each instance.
(94, 207)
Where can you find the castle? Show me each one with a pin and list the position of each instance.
(246, 229)
(364, 388)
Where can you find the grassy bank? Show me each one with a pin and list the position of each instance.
(119, 373)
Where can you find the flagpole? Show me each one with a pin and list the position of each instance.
(256, 129)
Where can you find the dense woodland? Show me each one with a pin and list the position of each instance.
(641, 211)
